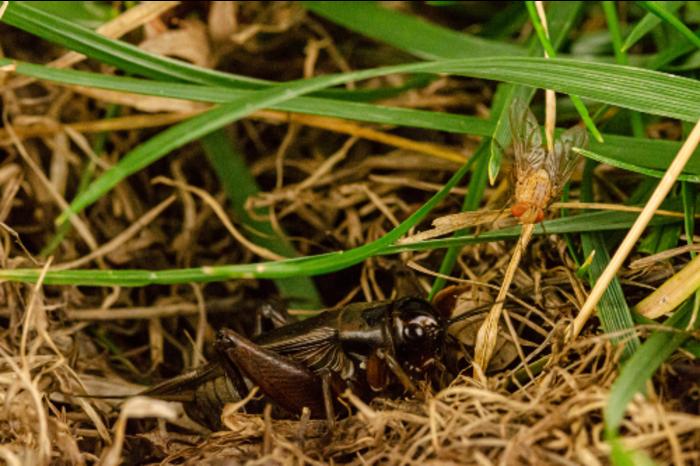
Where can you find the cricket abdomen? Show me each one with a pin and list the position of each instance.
(209, 400)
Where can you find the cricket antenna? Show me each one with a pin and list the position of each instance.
(469, 313)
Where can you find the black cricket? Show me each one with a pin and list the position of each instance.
(375, 348)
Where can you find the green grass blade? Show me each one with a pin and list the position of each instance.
(311, 105)
(689, 196)
(643, 364)
(90, 14)
(409, 33)
(693, 177)
(612, 309)
(659, 10)
(547, 45)
(646, 24)
(681, 95)
(475, 191)
(86, 176)
(561, 18)
(610, 11)
(239, 185)
(326, 263)
(620, 456)
(636, 154)
(303, 266)
(637, 89)
(127, 57)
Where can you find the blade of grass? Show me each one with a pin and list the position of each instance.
(239, 185)
(659, 10)
(689, 196)
(86, 175)
(409, 33)
(646, 24)
(325, 263)
(547, 45)
(132, 59)
(643, 364)
(635, 154)
(624, 86)
(475, 191)
(610, 11)
(562, 16)
(635, 232)
(217, 117)
(127, 57)
(612, 309)
(693, 178)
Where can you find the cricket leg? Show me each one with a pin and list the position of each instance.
(400, 374)
(288, 383)
(328, 399)
(272, 312)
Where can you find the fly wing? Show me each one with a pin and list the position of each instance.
(561, 163)
(527, 139)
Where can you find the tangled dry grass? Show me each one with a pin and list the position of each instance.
(329, 185)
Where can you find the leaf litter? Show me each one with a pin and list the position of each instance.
(57, 342)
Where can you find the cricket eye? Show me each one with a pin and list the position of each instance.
(414, 332)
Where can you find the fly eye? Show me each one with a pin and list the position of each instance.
(414, 332)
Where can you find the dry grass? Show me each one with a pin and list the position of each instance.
(328, 191)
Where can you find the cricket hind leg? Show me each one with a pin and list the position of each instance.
(289, 384)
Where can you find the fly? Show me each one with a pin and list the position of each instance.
(539, 175)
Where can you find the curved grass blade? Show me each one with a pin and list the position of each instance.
(331, 262)
(303, 266)
(475, 191)
(239, 185)
(349, 110)
(546, 44)
(612, 309)
(409, 33)
(638, 89)
(694, 178)
(635, 154)
(610, 10)
(658, 9)
(561, 18)
(646, 24)
(682, 100)
(644, 363)
(125, 56)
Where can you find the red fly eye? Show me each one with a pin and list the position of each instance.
(540, 216)
(519, 209)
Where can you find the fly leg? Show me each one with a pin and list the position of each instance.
(288, 383)
(400, 374)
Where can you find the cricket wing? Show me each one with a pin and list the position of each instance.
(562, 162)
(318, 349)
(527, 139)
